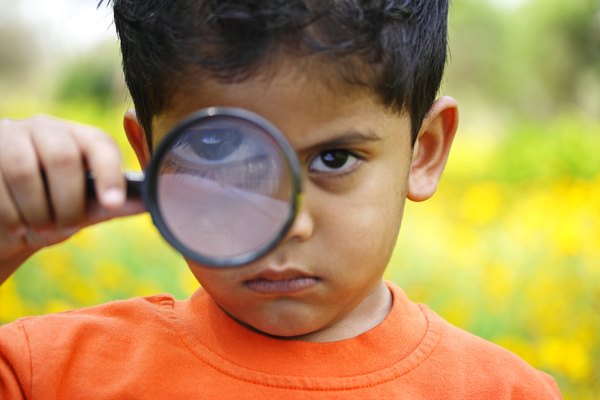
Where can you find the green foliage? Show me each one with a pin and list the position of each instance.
(508, 248)
(91, 78)
(563, 148)
(530, 61)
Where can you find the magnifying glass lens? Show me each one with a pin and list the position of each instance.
(224, 189)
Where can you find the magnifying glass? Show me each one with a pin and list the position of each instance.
(223, 186)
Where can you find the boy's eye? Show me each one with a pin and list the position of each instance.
(333, 161)
(215, 145)
(228, 156)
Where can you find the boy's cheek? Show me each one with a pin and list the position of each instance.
(366, 230)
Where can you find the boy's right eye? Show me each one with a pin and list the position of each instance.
(215, 144)
(226, 155)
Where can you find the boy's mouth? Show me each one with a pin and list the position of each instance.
(284, 281)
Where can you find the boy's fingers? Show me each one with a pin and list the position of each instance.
(63, 166)
(21, 174)
(104, 160)
(9, 215)
(97, 213)
(10, 245)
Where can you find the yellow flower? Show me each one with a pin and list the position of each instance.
(566, 356)
(481, 203)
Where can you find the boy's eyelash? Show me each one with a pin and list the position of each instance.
(340, 174)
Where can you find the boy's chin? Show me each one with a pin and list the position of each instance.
(287, 327)
(288, 322)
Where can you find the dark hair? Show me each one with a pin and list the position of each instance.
(396, 48)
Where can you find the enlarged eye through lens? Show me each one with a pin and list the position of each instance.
(215, 144)
(223, 186)
(236, 156)
(248, 174)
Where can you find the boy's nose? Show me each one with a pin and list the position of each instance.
(303, 226)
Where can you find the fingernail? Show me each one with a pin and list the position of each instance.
(113, 197)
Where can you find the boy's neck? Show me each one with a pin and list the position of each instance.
(369, 313)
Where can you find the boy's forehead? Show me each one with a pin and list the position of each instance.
(291, 91)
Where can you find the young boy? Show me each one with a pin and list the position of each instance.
(352, 86)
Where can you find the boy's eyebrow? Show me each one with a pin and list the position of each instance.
(348, 138)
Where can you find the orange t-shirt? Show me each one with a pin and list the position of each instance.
(156, 347)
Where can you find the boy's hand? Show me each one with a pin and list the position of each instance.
(43, 162)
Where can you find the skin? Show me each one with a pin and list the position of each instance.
(32, 216)
(323, 282)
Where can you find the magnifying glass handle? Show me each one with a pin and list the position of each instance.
(134, 182)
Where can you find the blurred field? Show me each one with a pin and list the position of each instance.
(509, 247)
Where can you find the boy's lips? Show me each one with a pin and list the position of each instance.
(281, 281)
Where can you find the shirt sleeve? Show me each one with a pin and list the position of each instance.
(15, 362)
(551, 385)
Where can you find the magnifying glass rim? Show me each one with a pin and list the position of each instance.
(153, 168)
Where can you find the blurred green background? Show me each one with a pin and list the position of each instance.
(509, 248)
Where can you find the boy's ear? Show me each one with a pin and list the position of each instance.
(431, 149)
(137, 137)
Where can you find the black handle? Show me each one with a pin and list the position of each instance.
(134, 182)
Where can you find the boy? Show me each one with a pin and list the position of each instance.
(351, 85)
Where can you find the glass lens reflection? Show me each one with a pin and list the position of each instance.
(225, 188)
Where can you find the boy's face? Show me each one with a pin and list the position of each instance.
(355, 156)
